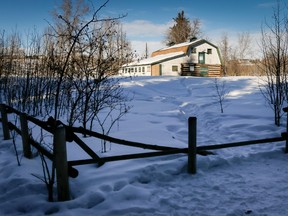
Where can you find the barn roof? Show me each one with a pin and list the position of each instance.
(181, 47)
(156, 59)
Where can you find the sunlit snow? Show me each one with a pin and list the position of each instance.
(249, 180)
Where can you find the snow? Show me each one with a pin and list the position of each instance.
(155, 59)
(250, 180)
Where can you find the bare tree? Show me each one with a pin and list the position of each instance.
(244, 49)
(84, 47)
(221, 92)
(96, 50)
(2, 54)
(61, 71)
(235, 58)
(225, 50)
(274, 45)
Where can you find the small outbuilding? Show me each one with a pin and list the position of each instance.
(198, 57)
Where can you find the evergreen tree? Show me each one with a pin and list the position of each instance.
(182, 30)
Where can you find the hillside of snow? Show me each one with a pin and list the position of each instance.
(250, 180)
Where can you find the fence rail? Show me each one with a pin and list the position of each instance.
(63, 133)
(238, 144)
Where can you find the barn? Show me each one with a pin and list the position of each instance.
(197, 57)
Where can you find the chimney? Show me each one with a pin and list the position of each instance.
(193, 38)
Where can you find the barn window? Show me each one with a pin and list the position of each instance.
(174, 68)
(143, 69)
(209, 51)
(194, 50)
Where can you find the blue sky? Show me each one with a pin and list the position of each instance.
(147, 20)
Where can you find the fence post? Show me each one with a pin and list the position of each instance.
(61, 165)
(285, 109)
(5, 126)
(286, 146)
(25, 136)
(192, 145)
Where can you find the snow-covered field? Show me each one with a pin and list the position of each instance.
(249, 180)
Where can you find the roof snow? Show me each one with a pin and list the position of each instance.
(188, 43)
(156, 59)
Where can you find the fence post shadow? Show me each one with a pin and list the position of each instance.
(192, 145)
(285, 109)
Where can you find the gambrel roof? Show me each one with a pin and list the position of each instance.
(157, 59)
(182, 47)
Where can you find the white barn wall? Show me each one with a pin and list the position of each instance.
(209, 58)
(167, 67)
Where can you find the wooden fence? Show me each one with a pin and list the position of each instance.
(63, 133)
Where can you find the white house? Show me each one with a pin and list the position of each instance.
(197, 57)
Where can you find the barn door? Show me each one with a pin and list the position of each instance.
(201, 58)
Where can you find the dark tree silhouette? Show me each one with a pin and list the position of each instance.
(182, 30)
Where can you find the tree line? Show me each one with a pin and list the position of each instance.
(67, 71)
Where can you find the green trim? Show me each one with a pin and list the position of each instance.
(219, 54)
(202, 61)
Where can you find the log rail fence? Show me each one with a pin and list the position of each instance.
(63, 134)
